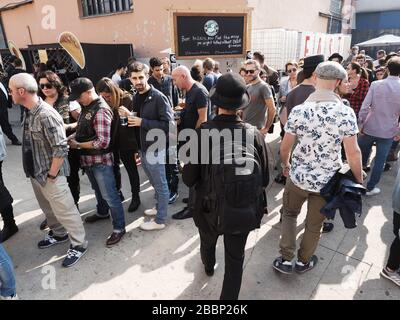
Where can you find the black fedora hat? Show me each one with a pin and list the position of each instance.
(230, 92)
(313, 61)
(336, 56)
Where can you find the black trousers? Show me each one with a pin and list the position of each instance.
(234, 246)
(117, 170)
(6, 208)
(5, 125)
(172, 172)
(129, 161)
(73, 179)
(394, 256)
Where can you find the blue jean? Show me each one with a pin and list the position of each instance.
(102, 179)
(154, 167)
(383, 147)
(7, 278)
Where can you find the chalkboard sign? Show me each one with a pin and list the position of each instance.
(210, 35)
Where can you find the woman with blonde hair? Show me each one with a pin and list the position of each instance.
(124, 138)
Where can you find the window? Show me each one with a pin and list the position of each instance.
(102, 7)
(335, 18)
(336, 7)
(334, 26)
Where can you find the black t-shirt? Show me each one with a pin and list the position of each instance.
(139, 102)
(196, 98)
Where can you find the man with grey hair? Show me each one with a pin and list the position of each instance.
(44, 152)
(261, 110)
(319, 126)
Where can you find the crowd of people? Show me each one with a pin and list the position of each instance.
(330, 111)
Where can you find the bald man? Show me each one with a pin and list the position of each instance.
(197, 101)
(196, 112)
(44, 151)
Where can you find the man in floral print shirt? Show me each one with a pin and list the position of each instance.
(319, 126)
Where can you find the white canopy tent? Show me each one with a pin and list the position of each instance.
(382, 41)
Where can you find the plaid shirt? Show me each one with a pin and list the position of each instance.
(45, 132)
(102, 126)
(357, 98)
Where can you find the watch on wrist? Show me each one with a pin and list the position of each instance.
(78, 146)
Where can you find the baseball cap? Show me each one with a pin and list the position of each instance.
(79, 86)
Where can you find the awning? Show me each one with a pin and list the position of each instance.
(383, 41)
(14, 5)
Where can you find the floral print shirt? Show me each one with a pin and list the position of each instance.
(320, 128)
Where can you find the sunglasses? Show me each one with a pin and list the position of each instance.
(250, 71)
(46, 85)
(291, 70)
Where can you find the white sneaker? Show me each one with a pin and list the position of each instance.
(151, 212)
(373, 192)
(9, 298)
(392, 276)
(151, 226)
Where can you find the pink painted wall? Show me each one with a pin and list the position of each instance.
(148, 27)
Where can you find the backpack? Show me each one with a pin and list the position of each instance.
(234, 192)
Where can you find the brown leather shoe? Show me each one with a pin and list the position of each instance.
(114, 238)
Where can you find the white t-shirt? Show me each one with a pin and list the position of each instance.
(320, 128)
(116, 78)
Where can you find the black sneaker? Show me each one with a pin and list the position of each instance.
(328, 227)
(73, 256)
(16, 142)
(134, 205)
(7, 232)
(209, 271)
(283, 266)
(280, 179)
(173, 197)
(301, 267)
(51, 240)
(43, 225)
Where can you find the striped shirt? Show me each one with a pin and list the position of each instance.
(44, 129)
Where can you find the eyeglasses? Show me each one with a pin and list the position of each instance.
(291, 70)
(250, 71)
(46, 85)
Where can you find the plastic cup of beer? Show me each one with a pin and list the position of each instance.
(133, 115)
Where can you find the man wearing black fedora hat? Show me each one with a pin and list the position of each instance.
(300, 94)
(336, 57)
(229, 197)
